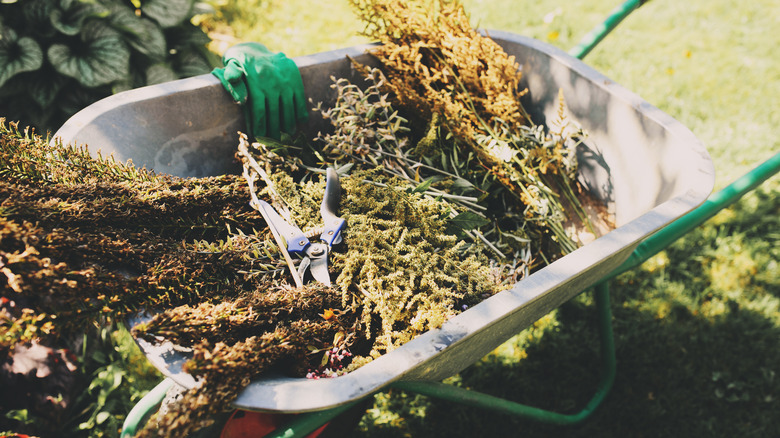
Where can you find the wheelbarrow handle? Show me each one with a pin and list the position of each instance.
(142, 410)
(715, 203)
(592, 38)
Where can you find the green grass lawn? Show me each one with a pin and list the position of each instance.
(697, 327)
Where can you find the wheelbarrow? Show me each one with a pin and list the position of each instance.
(648, 169)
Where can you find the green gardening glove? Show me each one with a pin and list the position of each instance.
(267, 85)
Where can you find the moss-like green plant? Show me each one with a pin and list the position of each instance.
(58, 56)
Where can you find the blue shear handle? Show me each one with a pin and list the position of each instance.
(331, 232)
(296, 241)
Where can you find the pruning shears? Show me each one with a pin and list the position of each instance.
(314, 255)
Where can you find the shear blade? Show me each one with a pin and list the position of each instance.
(316, 261)
(319, 270)
(303, 266)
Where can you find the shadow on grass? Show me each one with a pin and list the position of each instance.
(680, 376)
(697, 333)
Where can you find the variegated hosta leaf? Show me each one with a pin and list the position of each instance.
(182, 37)
(102, 58)
(76, 97)
(159, 73)
(190, 63)
(120, 86)
(142, 34)
(167, 12)
(69, 18)
(43, 85)
(37, 16)
(17, 55)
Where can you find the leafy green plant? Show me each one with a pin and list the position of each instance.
(56, 57)
(86, 395)
(118, 378)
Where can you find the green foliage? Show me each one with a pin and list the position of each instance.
(56, 57)
(118, 378)
(24, 157)
(112, 376)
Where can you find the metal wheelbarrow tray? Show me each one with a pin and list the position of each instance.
(648, 169)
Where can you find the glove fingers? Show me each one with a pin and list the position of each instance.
(298, 96)
(233, 71)
(288, 113)
(268, 85)
(259, 112)
(272, 114)
(236, 88)
(301, 109)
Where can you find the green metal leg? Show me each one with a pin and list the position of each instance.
(481, 400)
(304, 424)
(298, 427)
(589, 41)
(715, 203)
(137, 416)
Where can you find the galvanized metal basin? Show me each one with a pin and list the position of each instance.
(647, 167)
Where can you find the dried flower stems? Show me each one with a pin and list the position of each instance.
(104, 239)
(368, 130)
(436, 64)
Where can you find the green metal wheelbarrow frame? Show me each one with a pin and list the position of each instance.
(304, 424)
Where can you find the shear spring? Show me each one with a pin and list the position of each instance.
(315, 232)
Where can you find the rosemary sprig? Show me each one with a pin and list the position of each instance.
(251, 172)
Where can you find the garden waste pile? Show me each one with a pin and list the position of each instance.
(449, 192)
